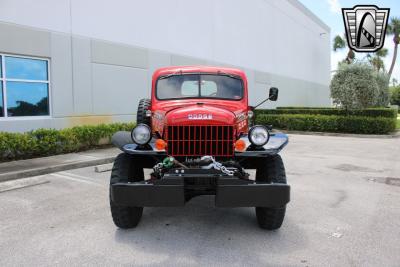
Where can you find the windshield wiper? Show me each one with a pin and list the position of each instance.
(229, 75)
(234, 76)
(170, 75)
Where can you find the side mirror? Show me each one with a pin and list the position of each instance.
(273, 94)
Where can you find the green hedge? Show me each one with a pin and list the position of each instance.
(334, 124)
(370, 112)
(299, 107)
(46, 142)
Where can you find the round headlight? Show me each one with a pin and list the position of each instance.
(258, 135)
(141, 134)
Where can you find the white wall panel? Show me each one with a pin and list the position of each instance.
(117, 90)
(61, 99)
(103, 53)
(47, 14)
(273, 36)
(82, 76)
(24, 41)
(117, 54)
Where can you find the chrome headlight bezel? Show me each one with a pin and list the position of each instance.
(254, 130)
(146, 135)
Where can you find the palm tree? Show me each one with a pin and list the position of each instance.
(340, 43)
(376, 59)
(393, 28)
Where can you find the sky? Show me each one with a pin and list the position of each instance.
(329, 11)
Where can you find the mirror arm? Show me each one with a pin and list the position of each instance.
(256, 106)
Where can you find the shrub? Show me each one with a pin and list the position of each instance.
(395, 95)
(370, 112)
(324, 123)
(354, 86)
(299, 107)
(46, 142)
(383, 97)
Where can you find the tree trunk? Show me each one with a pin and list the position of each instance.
(396, 44)
(350, 56)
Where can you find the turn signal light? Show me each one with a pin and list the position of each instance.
(160, 144)
(240, 145)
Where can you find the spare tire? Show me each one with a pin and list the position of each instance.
(144, 105)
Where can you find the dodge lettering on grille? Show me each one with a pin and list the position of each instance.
(200, 116)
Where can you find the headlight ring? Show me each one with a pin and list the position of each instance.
(259, 135)
(141, 134)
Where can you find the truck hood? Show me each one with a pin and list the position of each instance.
(203, 114)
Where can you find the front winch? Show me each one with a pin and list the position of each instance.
(169, 164)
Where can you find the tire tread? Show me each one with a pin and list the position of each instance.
(125, 171)
(271, 170)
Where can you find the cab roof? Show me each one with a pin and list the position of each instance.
(198, 69)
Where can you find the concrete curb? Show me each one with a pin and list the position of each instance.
(385, 136)
(54, 168)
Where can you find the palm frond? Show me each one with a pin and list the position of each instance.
(338, 43)
(394, 26)
(382, 52)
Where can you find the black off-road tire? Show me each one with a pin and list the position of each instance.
(271, 170)
(125, 169)
(144, 105)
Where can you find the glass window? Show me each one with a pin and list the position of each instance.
(27, 99)
(199, 86)
(24, 87)
(26, 68)
(1, 100)
(190, 88)
(208, 88)
(181, 86)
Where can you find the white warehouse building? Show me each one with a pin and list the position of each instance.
(72, 62)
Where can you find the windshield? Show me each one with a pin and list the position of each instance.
(199, 86)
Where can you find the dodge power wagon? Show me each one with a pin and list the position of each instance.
(197, 134)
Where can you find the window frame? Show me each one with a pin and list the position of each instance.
(4, 80)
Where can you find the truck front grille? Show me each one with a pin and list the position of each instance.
(200, 140)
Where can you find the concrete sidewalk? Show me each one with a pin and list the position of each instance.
(39, 166)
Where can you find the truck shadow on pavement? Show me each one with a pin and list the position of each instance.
(201, 233)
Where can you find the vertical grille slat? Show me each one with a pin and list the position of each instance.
(189, 144)
(199, 140)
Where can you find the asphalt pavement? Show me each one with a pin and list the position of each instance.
(344, 211)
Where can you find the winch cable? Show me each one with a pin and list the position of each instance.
(205, 162)
(216, 165)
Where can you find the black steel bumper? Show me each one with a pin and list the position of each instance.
(230, 192)
(276, 143)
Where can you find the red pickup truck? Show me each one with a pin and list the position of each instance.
(197, 135)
